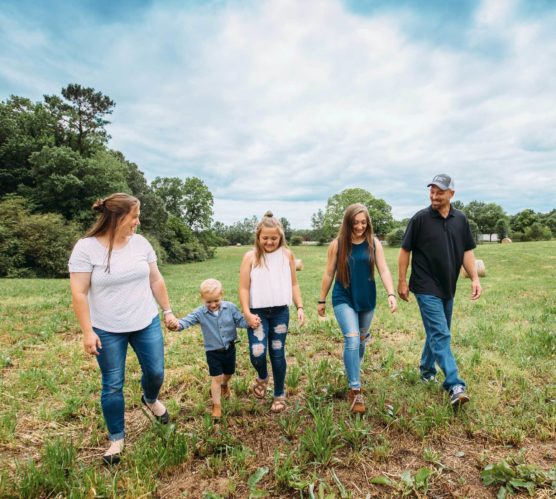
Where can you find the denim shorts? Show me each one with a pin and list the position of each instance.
(222, 361)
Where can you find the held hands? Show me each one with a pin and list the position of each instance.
(171, 322)
(253, 320)
(91, 343)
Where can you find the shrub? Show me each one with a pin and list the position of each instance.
(395, 237)
(516, 236)
(296, 240)
(537, 232)
(34, 245)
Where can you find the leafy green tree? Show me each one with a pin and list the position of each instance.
(317, 224)
(474, 230)
(458, 205)
(502, 228)
(523, 220)
(379, 210)
(549, 220)
(287, 228)
(188, 199)
(153, 214)
(485, 215)
(81, 115)
(25, 128)
(67, 183)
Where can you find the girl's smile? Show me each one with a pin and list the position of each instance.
(269, 238)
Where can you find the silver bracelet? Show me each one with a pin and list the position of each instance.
(167, 312)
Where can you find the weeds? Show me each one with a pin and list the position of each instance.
(506, 355)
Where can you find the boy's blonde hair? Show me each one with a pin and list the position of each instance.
(269, 221)
(209, 286)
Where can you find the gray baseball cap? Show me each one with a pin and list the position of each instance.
(442, 181)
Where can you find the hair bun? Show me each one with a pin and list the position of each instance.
(268, 213)
(98, 205)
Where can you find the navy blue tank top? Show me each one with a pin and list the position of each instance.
(361, 292)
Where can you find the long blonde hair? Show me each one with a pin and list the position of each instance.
(112, 211)
(269, 221)
(345, 245)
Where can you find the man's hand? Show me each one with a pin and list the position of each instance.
(403, 290)
(476, 289)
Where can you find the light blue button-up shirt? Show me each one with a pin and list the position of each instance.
(219, 331)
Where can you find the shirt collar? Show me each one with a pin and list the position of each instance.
(223, 305)
(436, 214)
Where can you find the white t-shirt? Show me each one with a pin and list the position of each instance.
(271, 283)
(121, 300)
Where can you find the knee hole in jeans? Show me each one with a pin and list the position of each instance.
(257, 349)
(281, 329)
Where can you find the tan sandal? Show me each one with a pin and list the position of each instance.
(259, 388)
(279, 404)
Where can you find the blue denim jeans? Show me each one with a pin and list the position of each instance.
(271, 334)
(148, 345)
(355, 328)
(437, 318)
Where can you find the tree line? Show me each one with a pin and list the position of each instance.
(55, 162)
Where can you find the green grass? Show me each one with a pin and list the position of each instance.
(409, 442)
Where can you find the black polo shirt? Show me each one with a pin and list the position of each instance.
(437, 245)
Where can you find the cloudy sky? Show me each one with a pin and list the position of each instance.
(282, 103)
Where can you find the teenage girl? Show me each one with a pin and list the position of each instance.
(267, 285)
(352, 257)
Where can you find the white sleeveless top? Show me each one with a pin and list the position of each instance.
(271, 283)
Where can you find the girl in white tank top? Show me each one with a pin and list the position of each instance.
(267, 286)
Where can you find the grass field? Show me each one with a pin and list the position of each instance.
(409, 442)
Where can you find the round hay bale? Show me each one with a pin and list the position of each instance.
(506, 240)
(298, 264)
(479, 265)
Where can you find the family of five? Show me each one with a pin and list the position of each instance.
(117, 290)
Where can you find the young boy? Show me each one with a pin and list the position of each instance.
(219, 320)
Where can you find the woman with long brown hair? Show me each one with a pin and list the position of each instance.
(352, 258)
(115, 286)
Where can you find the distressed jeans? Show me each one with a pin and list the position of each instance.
(271, 334)
(148, 345)
(437, 318)
(355, 328)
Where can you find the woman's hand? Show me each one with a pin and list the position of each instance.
(321, 309)
(170, 321)
(301, 316)
(392, 303)
(91, 343)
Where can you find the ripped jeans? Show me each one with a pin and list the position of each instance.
(355, 328)
(270, 334)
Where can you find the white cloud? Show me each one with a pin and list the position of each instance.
(285, 103)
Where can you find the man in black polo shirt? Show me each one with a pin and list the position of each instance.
(441, 241)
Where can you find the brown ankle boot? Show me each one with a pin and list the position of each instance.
(216, 411)
(355, 399)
